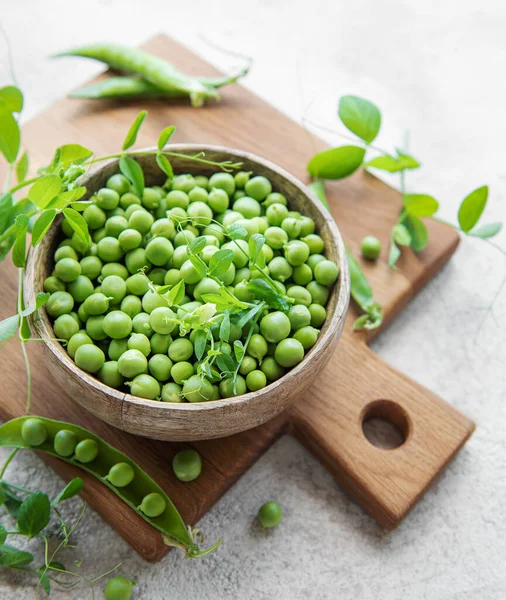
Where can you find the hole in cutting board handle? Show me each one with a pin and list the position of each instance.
(385, 424)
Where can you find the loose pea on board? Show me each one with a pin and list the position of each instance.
(110, 466)
(206, 288)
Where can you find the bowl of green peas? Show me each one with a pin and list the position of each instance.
(202, 305)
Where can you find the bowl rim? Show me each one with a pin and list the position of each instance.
(333, 329)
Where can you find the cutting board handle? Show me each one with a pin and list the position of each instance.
(355, 386)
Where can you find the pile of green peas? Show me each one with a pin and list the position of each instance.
(119, 329)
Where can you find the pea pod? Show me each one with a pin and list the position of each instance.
(42, 433)
(132, 87)
(152, 68)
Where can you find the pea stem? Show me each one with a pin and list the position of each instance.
(9, 458)
(14, 486)
(23, 184)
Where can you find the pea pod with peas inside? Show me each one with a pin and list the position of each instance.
(118, 472)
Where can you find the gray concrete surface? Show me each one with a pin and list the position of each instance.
(435, 68)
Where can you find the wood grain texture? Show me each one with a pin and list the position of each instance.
(328, 417)
(203, 420)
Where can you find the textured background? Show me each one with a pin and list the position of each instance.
(435, 68)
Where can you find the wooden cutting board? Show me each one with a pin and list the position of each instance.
(356, 384)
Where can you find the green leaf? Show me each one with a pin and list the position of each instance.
(10, 137)
(472, 208)
(401, 235)
(73, 487)
(12, 503)
(198, 244)
(78, 224)
(6, 245)
(225, 363)
(418, 232)
(176, 293)
(2, 496)
(394, 253)
(406, 160)
(370, 320)
(420, 205)
(360, 116)
(12, 557)
(45, 583)
(40, 300)
(336, 163)
(393, 164)
(220, 262)
(224, 332)
(11, 98)
(318, 189)
(486, 231)
(361, 291)
(262, 290)
(74, 195)
(42, 224)
(73, 154)
(19, 248)
(44, 190)
(255, 244)
(239, 350)
(224, 300)
(34, 514)
(131, 136)
(237, 232)
(248, 315)
(164, 164)
(198, 265)
(22, 167)
(165, 136)
(133, 172)
(3, 534)
(6, 202)
(199, 343)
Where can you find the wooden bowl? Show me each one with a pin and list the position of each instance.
(206, 420)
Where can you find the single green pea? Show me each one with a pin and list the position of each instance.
(223, 181)
(128, 199)
(129, 211)
(114, 288)
(152, 300)
(119, 183)
(95, 327)
(296, 252)
(197, 389)
(257, 347)
(65, 442)
(150, 199)
(94, 216)
(96, 304)
(119, 588)
(181, 371)
(67, 269)
(228, 387)
(301, 295)
(120, 474)
(78, 339)
(241, 178)
(159, 366)
(280, 269)
(276, 237)
(274, 198)
(141, 220)
(318, 315)
(315, 243)
(117, 324)
(248, 207)
(160, 343)
(80, 288)
(307, 226)
(240, 250)
(256, 380)
(86, 451)
(34, 432)
(200, 213)
(129, 239)
(183, 238)
(302, 274)
(153, 505)
(370, 247)
(89, 358)
(109, 374)
(248, 364)
(65, 327)
(115, 225)
(258, 187)
(201, 181)
(65, 252)
(299, 316)
(91, 266)
(172, 392)
(242, 292)
(198, 194)
(215, 230)
(276, 214)
(131, 305)
(307, 336)
(117, 348)
(53, 284)
(319, 293)
(98, 235)
(177, 199)
(162, 320)
(172, 277)
(140, 324)
(187, 465)
(229, 217)
(177, 215)
(163, 228)
(180, 350)
(189, 273)
(144, 386)
(140, 342)
(132, 363)
(272, 369)
(107, 199)
(180, 256)
(137, 284)
(159, 250)
(292, 226)
(270, 514)
(116, 269)
(109, 249)
(326, 272)
(289, 352)
(275, 326)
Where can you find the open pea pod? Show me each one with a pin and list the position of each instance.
(169, 523)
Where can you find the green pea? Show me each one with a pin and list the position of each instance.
(218, 200)
(152, 300)
(370, 247)
(140, 342)
(289, 352)
(240, 250)
(177, 215)
(319, 293)
(119, 588)
(132, 363)
(114, 288)
(78, 339)
(280, 269)
(119, 183)
(159, 251)
(89, 358)
(326, 272)
(172, 277)
(86, 451)
(67, 269)
(272, 369)
(96, 304)
(117, 348)
(91, 266)
(258, 187)
(65, 252)
(107, 198)
(276, 237)
(145, 386)
(98, 235)
(131, 305)
(159, 366)
(34, 432)
(296, 252)
(187, 465)
(80, 288)
(116, 269)
(53, 284)
(129, 199)
(228, 387)
(177, 199)
(292, 227)
(182, 238)
(197, 389)
(160, 343)
(182, 371)
(299, 316)
(153, 505)
(172, 392)
(248, 207)
(307, 226)
(318, 315)
(109, 249)
(115, 225)
(117, 324)
(241, 178)
(315, 243)
(120, 474)
(270, 514)
(163, 228)
(150, 198)
(302, 274)
(180, 350)
(137, 284)
(223, 181)
(257, 347)
(198, 194)
(307, 336)
(65, 442)
(65, 327)
(141, 220)
(140, 324)
(162, 320)
(276, 214)
(200, 213)
(95, 328)
(302, 295)
(275, 326)
(109, 374)
(256, 380)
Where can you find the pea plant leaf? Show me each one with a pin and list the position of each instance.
(224, 300)
(12, 557)
(472, 208)
(226, 363)
(133, 172)
(8, 328)
(393, 164)
(11, 98)
(6, 202)
(42, 224)
(486, 231)
(22, 167)
(131, 136)
(239, 350)
(401, 235)
(420, 205)
(237, 232)
(198, 265)
(73, 487)
(40, 300)
(220, 262)
(165, 136)
(255, 245)
(176, 294)
(73, 153)
(44, 190)
(12, 503)
(3, 535)
(199, 343)
(19, 248)
(33, 514)
(74, 195)
(249, 315)
(10, 137)
(393, 254)
(360, 116)
(224, 333)
(78, 224)
(263, 291)
(198, 244)
(336, 163)
(164, 164)
(2, 497)
(418, 232)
